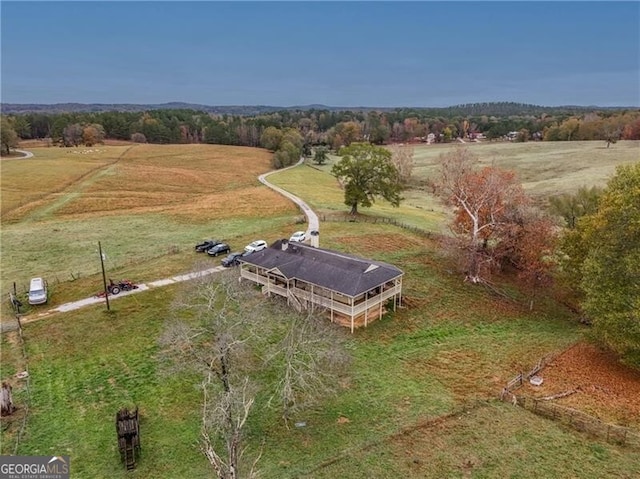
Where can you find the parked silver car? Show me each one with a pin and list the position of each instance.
(254, 246)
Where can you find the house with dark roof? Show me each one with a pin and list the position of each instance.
(353, 290)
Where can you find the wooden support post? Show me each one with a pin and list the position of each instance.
(366, 308)
(332, 306)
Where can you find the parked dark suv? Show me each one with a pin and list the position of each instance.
(206, 244)
(232, 260)
(219, 249)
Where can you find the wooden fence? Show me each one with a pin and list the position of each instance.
(581, 421)
(578, 420)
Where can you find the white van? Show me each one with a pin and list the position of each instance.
(38, 291)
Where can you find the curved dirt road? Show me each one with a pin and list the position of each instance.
(25, 154)
(312, 219)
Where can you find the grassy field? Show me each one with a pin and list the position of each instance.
(147, 204)
(417, 401)
(321, 191)
(452, 345)
(544, 168)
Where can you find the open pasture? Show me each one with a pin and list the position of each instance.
(322, 192)
(147, 204)
(451, 344)
(545, 168)
(33, 182)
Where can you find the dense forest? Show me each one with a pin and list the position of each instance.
(334, 127)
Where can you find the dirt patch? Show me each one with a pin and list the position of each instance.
(605, 388)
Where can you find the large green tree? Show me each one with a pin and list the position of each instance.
(9, 136)
(605, 251)
(367, 172)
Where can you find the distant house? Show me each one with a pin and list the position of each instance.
(353, 290)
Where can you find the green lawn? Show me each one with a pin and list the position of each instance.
(398, 410)
(455, 344)
(322, 192)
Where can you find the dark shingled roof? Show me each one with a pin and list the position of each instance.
(332, 270)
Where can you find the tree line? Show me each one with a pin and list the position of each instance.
(322, 127)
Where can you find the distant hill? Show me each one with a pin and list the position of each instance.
(469, 109)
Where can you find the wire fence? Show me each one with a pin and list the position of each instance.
(377, 220)
(25, 377)
(574, 418)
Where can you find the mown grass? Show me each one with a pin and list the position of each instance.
(458, 446)
(450, 344)
(86, 365)
(142, 246)
(322, 192)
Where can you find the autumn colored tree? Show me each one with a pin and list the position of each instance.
(367, 172)
(92, 134)
(493, 219)
(631, 130)
(345, 133)
(528, 241)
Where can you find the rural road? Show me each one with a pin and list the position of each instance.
(313, 223)
(27, 154)
(312, 219)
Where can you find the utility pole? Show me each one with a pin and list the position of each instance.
(104, 277)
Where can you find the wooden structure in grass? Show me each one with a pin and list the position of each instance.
(128, 427)
(6, 400)
(353, 290)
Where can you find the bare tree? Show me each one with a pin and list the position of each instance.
(72, 135)
(309, 359)
(226, 418)
(402, 158)
(217, 348)
(6, 400)
(233, 333)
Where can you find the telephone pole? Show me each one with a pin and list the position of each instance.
(104, 277)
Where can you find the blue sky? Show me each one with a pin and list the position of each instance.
(334, 53)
